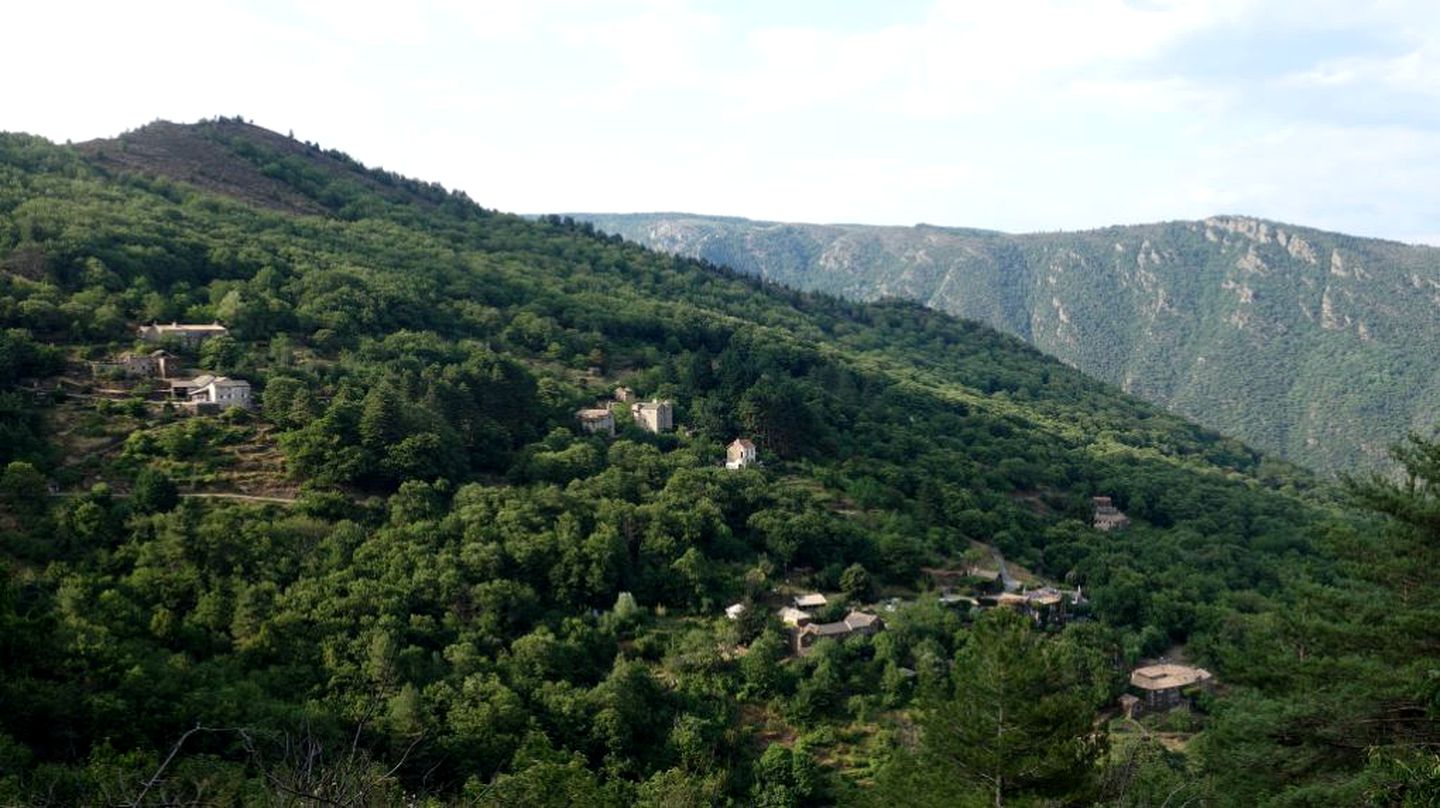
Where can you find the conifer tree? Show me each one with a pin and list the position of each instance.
(1021, 718)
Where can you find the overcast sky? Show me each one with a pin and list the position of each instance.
(1016, 115)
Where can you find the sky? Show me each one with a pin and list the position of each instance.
(1021, 115)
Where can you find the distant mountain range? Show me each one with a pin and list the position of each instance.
(1321, 347)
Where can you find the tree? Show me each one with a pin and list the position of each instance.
(23, 489)
(220, 354)
(856, 584)
(761, 666)
(381, 418)
(776, 412)
(1021, 718)
(287, 402)
(785, 778)
(153, 492)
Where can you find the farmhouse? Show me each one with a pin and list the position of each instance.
(654, 416)
(157, 363)
(597, 420)
(740, 454)
(1167, 685)
(188, 333)
(135, 364)
(856, 622)
(182, 388)
(221, 392)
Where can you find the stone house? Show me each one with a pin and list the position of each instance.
(182, 388)
(740, 454)
(135, 364)
(221, 392)
(653, 416)
(855, 623)
(597, 421)
(624, 394)
(189, 333)
(1107, 516)
(157, 363)
(163, 363)
(1045, 604)
(1166, 685)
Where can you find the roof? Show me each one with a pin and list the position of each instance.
(734, 610)
(811, 600)
(226, 381)
(199, 381)
(827, 629)
(1045, 596)
(857, 620)
(743, 443)
(792, 615)
(188, 327)
(1167, 676)
(592, 414)
(854, 621)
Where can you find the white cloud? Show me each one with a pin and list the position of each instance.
(1038, 114)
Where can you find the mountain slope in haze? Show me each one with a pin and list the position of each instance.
(1323, 348)
(477, 602)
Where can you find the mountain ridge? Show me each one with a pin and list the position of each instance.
(1324, 331)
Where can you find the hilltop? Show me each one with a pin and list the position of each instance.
(422, 566)
(1319, 347)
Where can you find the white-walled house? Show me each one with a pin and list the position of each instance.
(740, 454)
(222, 392)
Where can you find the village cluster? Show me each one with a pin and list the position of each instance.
(655, 416)
(1154, 687)
(200, 393)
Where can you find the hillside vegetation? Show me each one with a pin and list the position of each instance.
(454, 594)
(1318, 347)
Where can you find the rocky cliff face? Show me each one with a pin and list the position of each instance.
(1321, 347)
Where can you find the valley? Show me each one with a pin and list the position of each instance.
(1317, 347)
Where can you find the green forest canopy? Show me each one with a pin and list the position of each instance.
(473, 599)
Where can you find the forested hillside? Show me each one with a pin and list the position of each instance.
(408, 575)
(1318, 347)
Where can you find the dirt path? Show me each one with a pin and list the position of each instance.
(200, 495)
(239, 497)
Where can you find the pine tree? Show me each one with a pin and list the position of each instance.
(1021, 719)
(381, 418)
